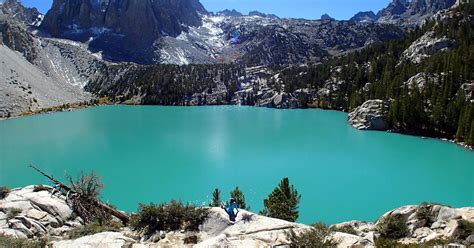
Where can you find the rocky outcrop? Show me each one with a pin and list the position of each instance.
(426, 46)
(33, 212)
(421, 80)
(430, 222)
(426, 222)
(371, 115)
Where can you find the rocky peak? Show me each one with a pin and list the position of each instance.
(326, 17)
(396, 7)
(14, 9)
(258, 13)
(228, 12)
(364, 16)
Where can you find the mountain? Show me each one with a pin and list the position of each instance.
(123, 29)
(183, 32)
(404, 13)
(258, 13)
(366, 16)
(227, 12)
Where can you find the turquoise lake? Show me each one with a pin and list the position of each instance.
(155, 154)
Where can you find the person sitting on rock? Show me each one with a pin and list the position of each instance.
(232, 210)
(56, 188)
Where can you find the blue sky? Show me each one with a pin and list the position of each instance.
(309, 9)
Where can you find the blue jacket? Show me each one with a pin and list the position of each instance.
(232, 206)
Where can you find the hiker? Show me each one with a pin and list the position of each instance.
(56, 188)
(232, 209)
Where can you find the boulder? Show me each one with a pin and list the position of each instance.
(349, 240)
(371, 115)
(249, 229)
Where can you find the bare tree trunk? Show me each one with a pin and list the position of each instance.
(120, 215)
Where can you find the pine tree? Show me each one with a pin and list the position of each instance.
(283, 202)
(216, 198)
(239, 197)
(470, 141)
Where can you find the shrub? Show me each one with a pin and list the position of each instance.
(344, 229)
(283, 202)
(246, 217)
(4, 191)
(85, 203)
(193, 239)
(10, 242)
(316, 237)
(90, 229)
(87, 185)
(423, 213)
(239, 197)
(465, 228)
(393, 227)
(172, 216)
(12, 213)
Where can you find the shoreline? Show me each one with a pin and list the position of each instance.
(105, 101)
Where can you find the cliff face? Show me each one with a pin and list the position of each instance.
(129, 17)
(124, 29)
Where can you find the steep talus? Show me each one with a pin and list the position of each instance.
(39, 73)
(25, 88)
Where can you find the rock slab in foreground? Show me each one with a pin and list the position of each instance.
(40, 214)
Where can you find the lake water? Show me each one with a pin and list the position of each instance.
(154, 154)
